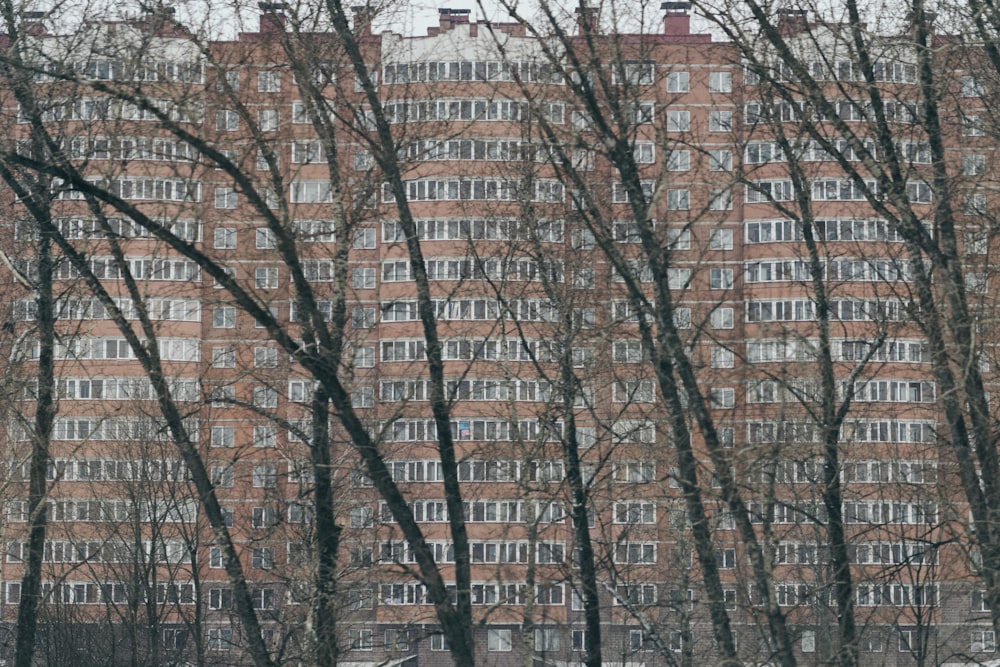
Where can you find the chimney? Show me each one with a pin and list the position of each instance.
(586, 19)
(33, 23)
(159, 18)
(449, 18)
(362, 20)
(929, 18)
(676, 19)
(793, 21)
(272, 17)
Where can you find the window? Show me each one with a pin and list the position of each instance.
(627, 352)
(498, 639)
(363, 397)
(637, 641)
(722, 357)
(265, 436)
(721, 279)
(636, 553)
(265, 397)
(637, 72)
(583, 278)
(972, 125)
(973, 164)
(582, 239)
(225, 238)
(230, 154)
(225, 198)
(363, 160)
(265, 277)
(645, 152)
(642, 391)
(722, 398)
(222, 476)
(872, 644)
(359, 84)
(263, 598)
(229, 80)
(720, 121)
(678, 200)
(268, 81)
(579, 637)
(976, 282)
(720, 160)
(265, 239)
(678, 278)
(721, 318)
(264, 517)
(977, 243)
(300, 114)
(721, 239)
(265, 357)
(808, 641)
(224, 357)
(362, 317)
(395, 270)
(223, 396)
(983, 641)
(720, 82)
(974, 204)
(364, 357)
(720, 199)
(678, 121)
(265, 477)
(636, 594)
(725, 558)
(261, 161)
(547, 639)
(582, 356)
(635, 512)
(971, 87)
(227, 120)
(679, 239)
(907, 641)
(220, 639)
(361, 639)
(585, 318)
(581, 120)
(361, 517)
(678, 160)
(728, 594)
(397, 640)
(440, 643)
(678, 82)
(267, 120)
(364, 238)
(223, 436)
(363, 278)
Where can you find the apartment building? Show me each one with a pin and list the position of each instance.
(536, 325)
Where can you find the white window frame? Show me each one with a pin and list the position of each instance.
(720, 82)
(267, 120)
(268, 81)
(678, 120)
(224, 238)
(678, 82)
